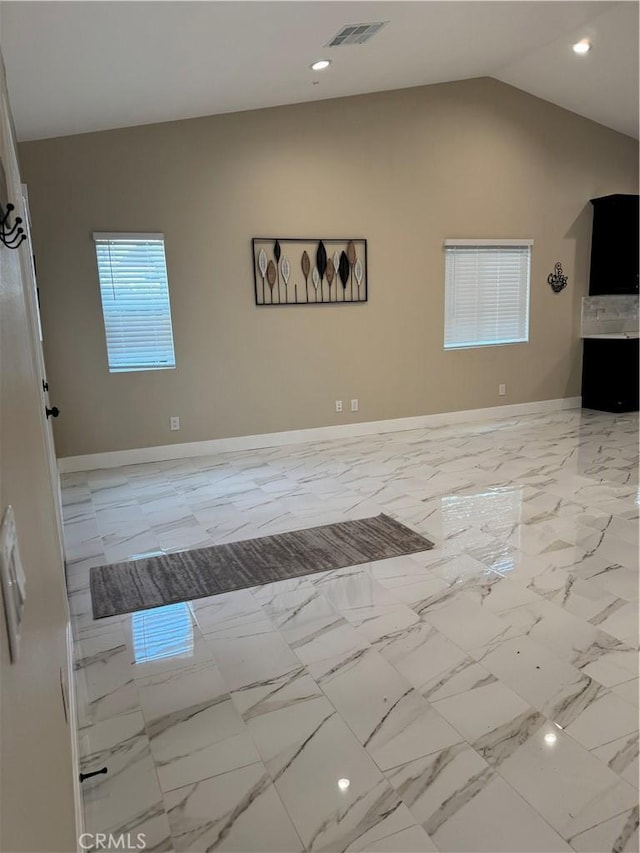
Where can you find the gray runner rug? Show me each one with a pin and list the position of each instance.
(185, 575)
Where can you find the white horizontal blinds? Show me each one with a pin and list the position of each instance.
(486, 293)
(135, 301)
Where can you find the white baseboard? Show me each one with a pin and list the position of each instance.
(162, 453)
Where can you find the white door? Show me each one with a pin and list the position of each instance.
(48, 411)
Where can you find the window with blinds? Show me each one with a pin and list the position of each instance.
(486, 292)
(135, 301)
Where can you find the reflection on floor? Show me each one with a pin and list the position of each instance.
(480, 696)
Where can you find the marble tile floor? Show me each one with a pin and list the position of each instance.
(482, 696)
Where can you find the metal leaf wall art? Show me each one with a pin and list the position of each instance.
(262, 266)
(276, 254)
(305, 263)
(321, 264)
(271, 277)
(343, 272)
(337, 265)
(330, 274)
(351, 257)
(357, 271)
(285, 269)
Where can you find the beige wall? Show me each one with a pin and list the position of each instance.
(405, 169)
(36, 770)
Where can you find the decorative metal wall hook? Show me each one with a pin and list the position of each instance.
(11, 236)
(557, 279)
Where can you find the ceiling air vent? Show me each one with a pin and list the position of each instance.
(355, 34)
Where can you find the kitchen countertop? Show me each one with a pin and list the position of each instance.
(613, 336)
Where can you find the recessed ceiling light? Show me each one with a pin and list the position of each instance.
(343, 784)
(320, 64)
(583, 46)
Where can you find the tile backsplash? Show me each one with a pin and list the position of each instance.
(609, 314)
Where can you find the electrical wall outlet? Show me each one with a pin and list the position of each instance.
(174, 423)
(354, 405)
(338, 405)
(502, 390)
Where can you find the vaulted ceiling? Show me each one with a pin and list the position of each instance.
(74, 67)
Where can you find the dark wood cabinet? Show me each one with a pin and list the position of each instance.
(610, 374)
(614, 245)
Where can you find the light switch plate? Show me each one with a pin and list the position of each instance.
(13, 581)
